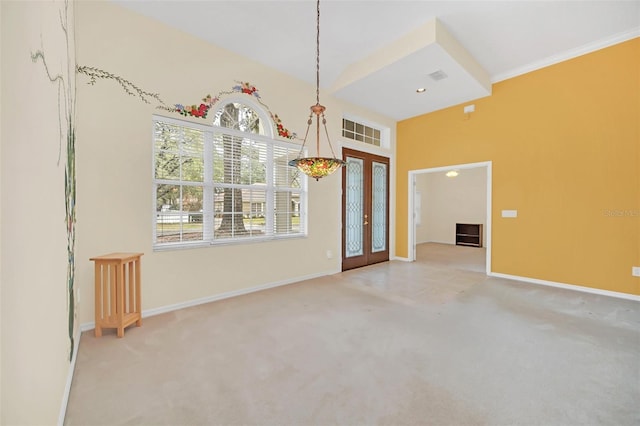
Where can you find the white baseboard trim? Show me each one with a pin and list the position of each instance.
(402, 259)
(216, 297)
(568, 286)
(67, 387)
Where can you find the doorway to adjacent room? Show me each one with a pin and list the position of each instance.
(420, 200)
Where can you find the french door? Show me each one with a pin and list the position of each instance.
(365, 209)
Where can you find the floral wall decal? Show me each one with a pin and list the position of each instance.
(282, 131)
(195, 110)
(247, 88)
(201, 110)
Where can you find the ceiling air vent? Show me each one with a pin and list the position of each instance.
(438, 75)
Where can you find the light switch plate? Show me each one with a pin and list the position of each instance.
(509, 213)
(635, 271)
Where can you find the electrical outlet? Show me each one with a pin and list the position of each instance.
(635, 271)
(329, 254)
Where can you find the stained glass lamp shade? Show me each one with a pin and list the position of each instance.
(317, 167)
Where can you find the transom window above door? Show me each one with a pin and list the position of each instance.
(361, 132)
(365, 132)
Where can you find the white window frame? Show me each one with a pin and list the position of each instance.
(208, 238)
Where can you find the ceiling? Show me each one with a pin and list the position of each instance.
(377, 53)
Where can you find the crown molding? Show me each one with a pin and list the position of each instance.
(568, 54)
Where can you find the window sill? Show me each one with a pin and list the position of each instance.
(208, 244)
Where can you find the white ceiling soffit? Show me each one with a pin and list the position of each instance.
(398, 69)
(364, 59)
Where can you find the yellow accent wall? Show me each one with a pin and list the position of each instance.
(565, 146)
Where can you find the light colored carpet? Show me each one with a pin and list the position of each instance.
(433, 342)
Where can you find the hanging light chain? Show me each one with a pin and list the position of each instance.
(324, 123)
(324, 120)
(318, 54)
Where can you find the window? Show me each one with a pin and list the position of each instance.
(229, 182)
(360, 132)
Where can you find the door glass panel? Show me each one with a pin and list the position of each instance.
(354, 244)
(378, 207)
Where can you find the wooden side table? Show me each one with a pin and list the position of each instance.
(117, 291)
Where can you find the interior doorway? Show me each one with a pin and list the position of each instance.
(365, 209)
(419, 200)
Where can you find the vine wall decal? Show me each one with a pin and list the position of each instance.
(200, 110)
(131, 89)
(65, 82)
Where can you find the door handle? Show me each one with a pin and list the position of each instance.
(366, 222)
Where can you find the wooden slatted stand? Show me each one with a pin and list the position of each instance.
(117, 291)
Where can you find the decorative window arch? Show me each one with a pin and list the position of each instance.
(250, 95)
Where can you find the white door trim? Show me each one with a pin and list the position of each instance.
(412, 190)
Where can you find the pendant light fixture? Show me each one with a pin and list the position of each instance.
(317, 167)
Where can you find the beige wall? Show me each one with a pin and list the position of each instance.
(1, 149)
(114, 160)
(1, 180)
(35, 343)
(447, 201)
